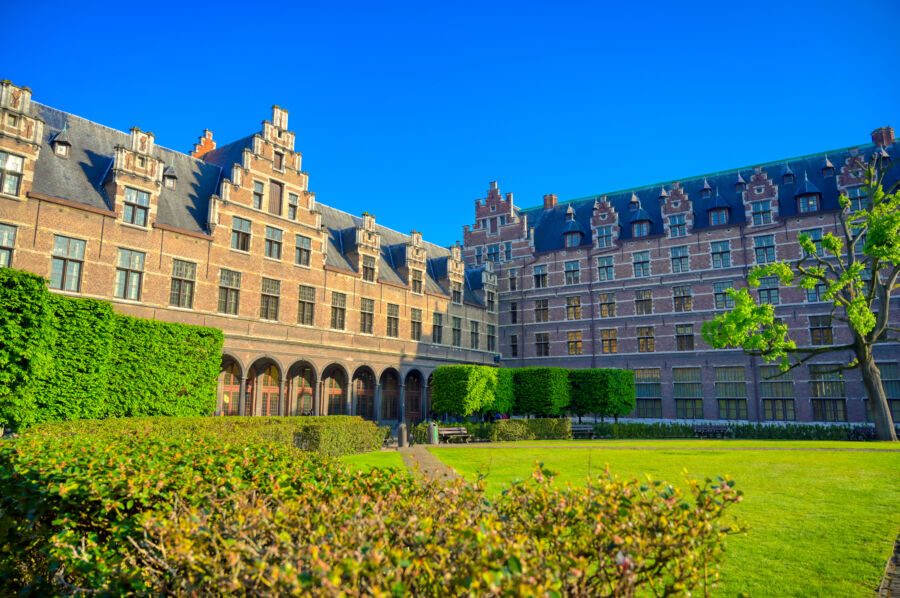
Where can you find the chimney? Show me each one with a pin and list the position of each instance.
(883, 137)
(550, 201)
(204, 145)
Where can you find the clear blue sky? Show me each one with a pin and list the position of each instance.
(409, 110)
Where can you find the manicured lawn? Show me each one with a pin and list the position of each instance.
(366, 461)
(693, 443)
(822, 522)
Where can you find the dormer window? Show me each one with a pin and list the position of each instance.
(640, 228)
(827, 168)
(808, 203)
(573, 239)
(787, 177)
(12, 121)
(60, 142)
(169, 177)
(170, 182)
(141, 162)
(137, 207)
(706, 191)
(61, 149)
(718, 216)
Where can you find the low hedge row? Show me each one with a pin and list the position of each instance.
(531, 429)
(333, 439)
(736, 430)
(137, 509)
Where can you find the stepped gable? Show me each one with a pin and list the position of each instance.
(550, 224)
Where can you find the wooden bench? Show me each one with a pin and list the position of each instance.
(710, 430)
(449, 434)
(582, 430)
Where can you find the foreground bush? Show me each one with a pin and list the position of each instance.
(148, 512)
(531, 429)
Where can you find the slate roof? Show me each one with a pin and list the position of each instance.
(80, 179)
(550, 225)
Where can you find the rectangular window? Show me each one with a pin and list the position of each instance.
(768, 290)
(416, 283)
(273, 243)
(393, 320)
(641, 263)
(572, 239)
(279, 161)
(643, 302)
(607, 305)
(640, 229)
(573, 274)
(817, 293)
(681, 297)
(684, 337)
(820, 331)
(513, 312)
(731, 392)
(808, 203)
(457, 332)
(574, 342)
(67, 263)
(10, 173)
(229, 291)
(542, 344)
(507, 250)
(129, 274)
(268, 305)
(491, 301)
(718, 217)
(827, 392)
(491, 338)
(720, 293)
(258, 190)
(645, 339)
(456, 292)
(307, 305)
(368, 268)
(687, 390)
(7, 243)
(437, 328)
(721, 254)
(648, 393)
(604, 236)
(605, 268)
(276, 192)
(513, 345)
(513, 281)
(415, 324)
(478, 256)
(815, 235)
(573, 308)
(777, 391)
(680, 259)
(338, 310)
(764, 247)
(856, 195)
(762, 213)
(302, 250)
(366, 315)
(541, 311)
(137, 207)
(493, 253)
(293, 202)
(240, 234)
(183, 276)
(473, 331)
(608, 341)
(677, 226)
(540, 277)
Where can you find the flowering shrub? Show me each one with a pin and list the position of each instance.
(145, 511)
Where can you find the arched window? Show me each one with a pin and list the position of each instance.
(269, 390)
(231, 390)
(364, 388)
(335, 386)
(390, 395)
(306, 380)
(413, 398)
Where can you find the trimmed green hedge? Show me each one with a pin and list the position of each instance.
(736, 430)
(540, 391)
(463, 389)
(334, 438)
(70, 358)
(531, 429)
(504, 395)
(604, 392)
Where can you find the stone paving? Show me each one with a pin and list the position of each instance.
(420, 461)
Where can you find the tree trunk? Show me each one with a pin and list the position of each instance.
(881, 413)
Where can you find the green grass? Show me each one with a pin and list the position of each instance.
(822, 523)
(694, 443)
(368, 461)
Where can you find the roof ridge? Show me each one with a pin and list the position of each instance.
(407, 236)
(778, 162)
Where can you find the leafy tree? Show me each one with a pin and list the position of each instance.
(858, 272)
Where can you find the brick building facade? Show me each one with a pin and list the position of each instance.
(626, 280)
(323, 312)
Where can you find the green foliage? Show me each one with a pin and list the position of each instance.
(140, 510)
(504, 395)
(70, 358)
(737, 430)
(480, 431)
(463, 389)
(644, 430)
(586, 394)
(334, 438)
(548, 428)
(25, 330)
(540, 391)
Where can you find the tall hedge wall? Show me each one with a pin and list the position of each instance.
(540, 391)
(68, 358)
(605, 392)
(463, 389)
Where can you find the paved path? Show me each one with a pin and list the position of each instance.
(421, 462)
(890, 585)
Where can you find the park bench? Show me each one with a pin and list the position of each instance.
(449, 434)
(586, 430)
(710, 430)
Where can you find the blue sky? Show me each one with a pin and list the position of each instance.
(408, 110)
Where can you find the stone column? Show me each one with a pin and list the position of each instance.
(401, 408)
(242, 395)
(282, 397)
(320, 408)
(424, 401)
(349, 402)
(377, 414)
